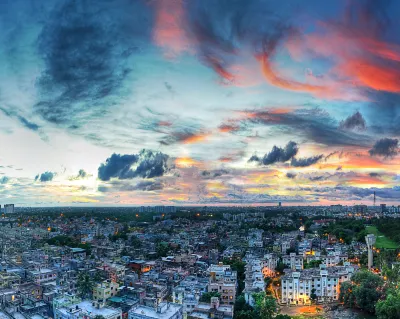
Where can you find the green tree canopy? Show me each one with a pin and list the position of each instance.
(389, 308)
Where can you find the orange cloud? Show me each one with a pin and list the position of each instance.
(168, 31)
(195, 138)
(378, 77)
(187, 162)
(226, 128)
(361, 58)
(272, 77)
(365, 180)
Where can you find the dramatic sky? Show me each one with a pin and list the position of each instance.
(206, 102)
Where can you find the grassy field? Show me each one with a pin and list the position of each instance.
(381, 240)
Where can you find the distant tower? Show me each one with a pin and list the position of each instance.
(374, 199)
(370, 239)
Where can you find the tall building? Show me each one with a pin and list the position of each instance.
(361, 209)
(370, 239)
(383, 208)
(9, 209)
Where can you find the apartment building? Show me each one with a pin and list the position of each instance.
(329, 260)
(297, 286)
(104, 291)
(42, 275)
(293, 261)
(270, 261)
(224, 281)
(71, 307)
(212, 310)
(165, 310)
(254, 281)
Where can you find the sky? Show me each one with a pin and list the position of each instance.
(199, 102)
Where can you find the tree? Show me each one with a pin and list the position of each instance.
(346, 294)
(266, 305)
(243, 310)
(313, 296)
(245, 314)
(162, 249)
(364, 291)
(206, 297)
(313, 264)
(85, 285)
(280, 267)
(281, 316)
(136, 242)
(389, 308)
(97, 277)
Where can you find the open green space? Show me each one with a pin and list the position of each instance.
(381, 240)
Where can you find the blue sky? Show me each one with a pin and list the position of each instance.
(120, 102)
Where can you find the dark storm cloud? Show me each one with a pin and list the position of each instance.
(314, 124)
(45, 177)
(82, 174)
(374, 174)
(213, 173)
(146, 164)
(185, 136)
(291, 175)
(118, 186)
(386, 147)
(383, 112)
(22, 120)
(4, 180)
(306, 161)
(220, 31)
(277, 154)
(355, 193)
(354, 122)
(318, 178)
(86, 48)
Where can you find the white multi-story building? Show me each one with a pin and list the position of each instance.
(224, 281)
(42, 275)
(104, 291)
(270, 262)
(255, 238)
(212, 310)
(297, 286)
(254, 280)
(164, 310)
(9, 209)
(70, 307)
(329, 260)
(293, 261)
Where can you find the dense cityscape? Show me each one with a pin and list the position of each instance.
(200, 262)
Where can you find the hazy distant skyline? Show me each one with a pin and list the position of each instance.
(148, 102)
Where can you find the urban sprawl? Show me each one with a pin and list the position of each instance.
(199, 262)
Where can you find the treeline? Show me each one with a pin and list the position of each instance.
(390, 227)
(346, 229)
(72, 242)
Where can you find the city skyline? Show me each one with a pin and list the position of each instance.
(181, 103)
